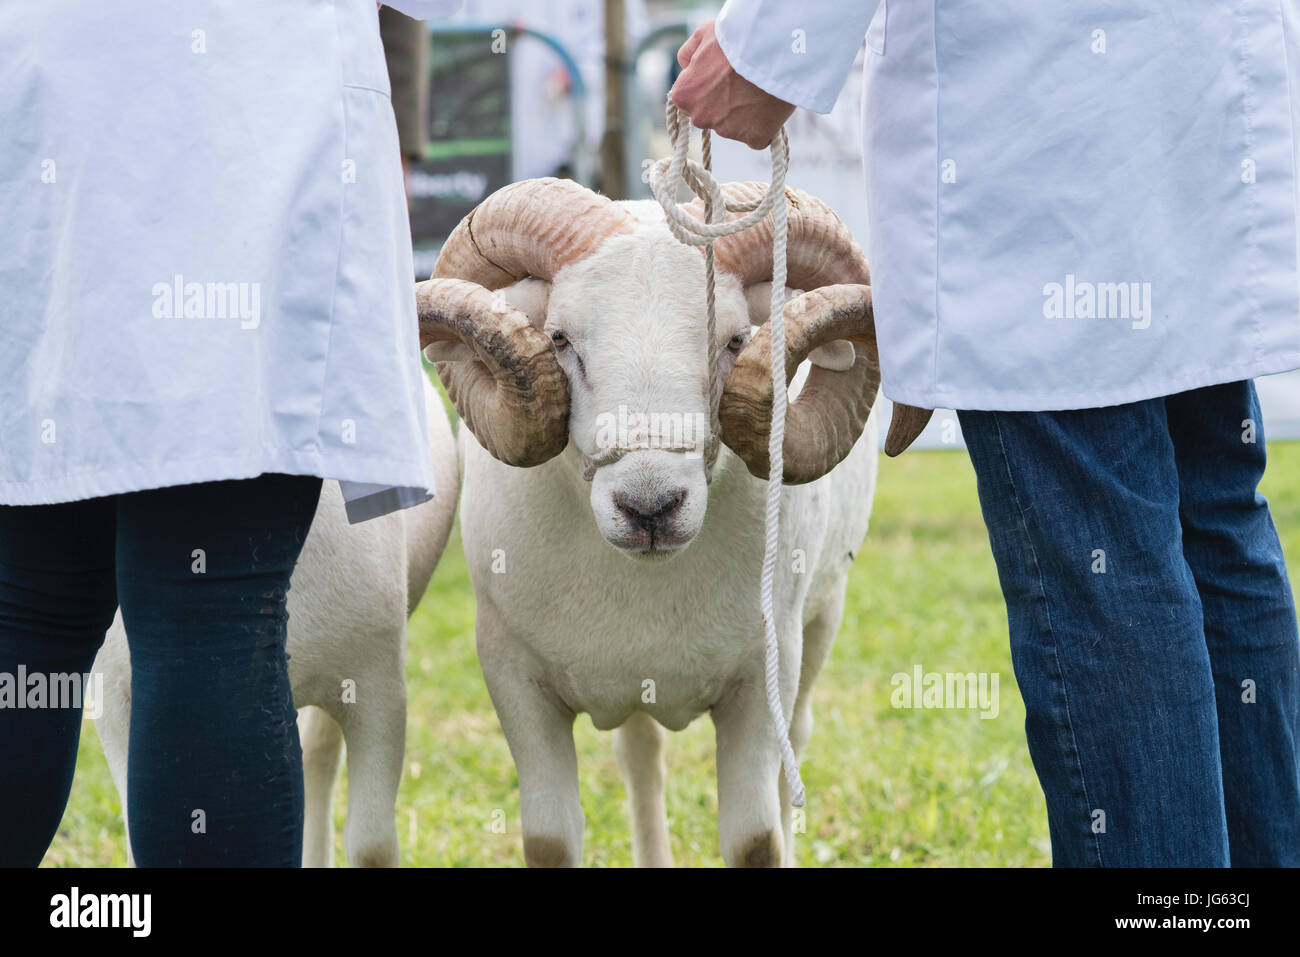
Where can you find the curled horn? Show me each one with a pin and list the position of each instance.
(832, 409)
(512, 393)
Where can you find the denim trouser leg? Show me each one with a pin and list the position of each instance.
(214, 772)
(1249, 612)
(1106, 632)
(57, 598)
(1186, 590)
(201, 572)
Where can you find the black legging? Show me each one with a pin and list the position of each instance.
(201, 572)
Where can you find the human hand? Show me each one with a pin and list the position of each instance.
(718, 98)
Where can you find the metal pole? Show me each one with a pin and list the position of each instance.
(612, 164)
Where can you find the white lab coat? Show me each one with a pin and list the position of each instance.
(206, 265)
(1071, 204)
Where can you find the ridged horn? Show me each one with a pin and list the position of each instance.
(831, 411)
(512, 395)
(827, 418)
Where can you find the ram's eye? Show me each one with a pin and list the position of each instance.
(559, 339)
(738, 342)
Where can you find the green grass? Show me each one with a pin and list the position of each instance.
(886, 786)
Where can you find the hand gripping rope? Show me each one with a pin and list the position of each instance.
(666, 178)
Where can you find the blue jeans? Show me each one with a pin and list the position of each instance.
(201, 573)
(1153, 627)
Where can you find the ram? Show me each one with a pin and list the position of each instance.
(352, 590)
(618, 574)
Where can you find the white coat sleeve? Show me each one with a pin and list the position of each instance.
(426, 9)
(800, 52)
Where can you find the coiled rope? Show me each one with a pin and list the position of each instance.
(667, 176)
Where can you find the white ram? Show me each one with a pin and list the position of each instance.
(352, 590)
(612, 576)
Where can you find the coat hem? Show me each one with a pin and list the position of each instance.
(96, 483)
(993, 400)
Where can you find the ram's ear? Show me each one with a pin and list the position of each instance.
(530, 296)
(837, 356)
(449, 351)
(758, 300)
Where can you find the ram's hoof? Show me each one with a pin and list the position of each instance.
(761, 850)
(543, 851)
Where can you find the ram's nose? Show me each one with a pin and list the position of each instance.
(652, 513)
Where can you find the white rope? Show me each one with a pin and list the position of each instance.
(667, 176)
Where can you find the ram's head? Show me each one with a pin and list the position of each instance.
(556, 316)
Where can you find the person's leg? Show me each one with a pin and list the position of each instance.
(1106, 635)
(215, 770)
(1250, 618)
(57, 598)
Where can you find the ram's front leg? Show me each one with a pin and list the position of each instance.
(539, 730)
(749, 765)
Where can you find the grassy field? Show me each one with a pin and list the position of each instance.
(887, 787)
